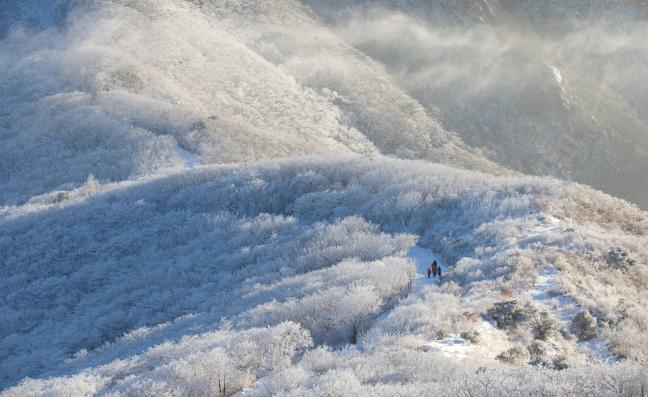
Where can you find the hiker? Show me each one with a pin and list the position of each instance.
(435, 268)
(429, 271)
(439, 272)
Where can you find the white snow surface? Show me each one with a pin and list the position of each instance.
(194, 189)
(557, 75)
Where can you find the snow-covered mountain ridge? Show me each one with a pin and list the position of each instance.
(466, 83)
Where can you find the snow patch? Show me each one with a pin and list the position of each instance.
(547, 291)
(557, 75)
(452, 346)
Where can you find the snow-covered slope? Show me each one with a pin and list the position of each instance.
(167, 269)
(241, 198)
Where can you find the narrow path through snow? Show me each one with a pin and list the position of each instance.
(189, 159)
(453, 345)
(423, 258)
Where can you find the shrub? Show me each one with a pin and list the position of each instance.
(559, 363)
(583, 325)
(620, 258)
(441, 334)
(471, 336)
(538, 349)
(510, 313)
(544, 326)
(514, 355)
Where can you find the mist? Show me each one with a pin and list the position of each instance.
(570, 104)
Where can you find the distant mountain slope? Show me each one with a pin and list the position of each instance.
(118, 88)
(547, 88)
(114, 87)
(247, 80)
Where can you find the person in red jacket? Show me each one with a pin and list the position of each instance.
(429, 271)
(435, 268)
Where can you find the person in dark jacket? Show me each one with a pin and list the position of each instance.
(435, 268)
(439, 272)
